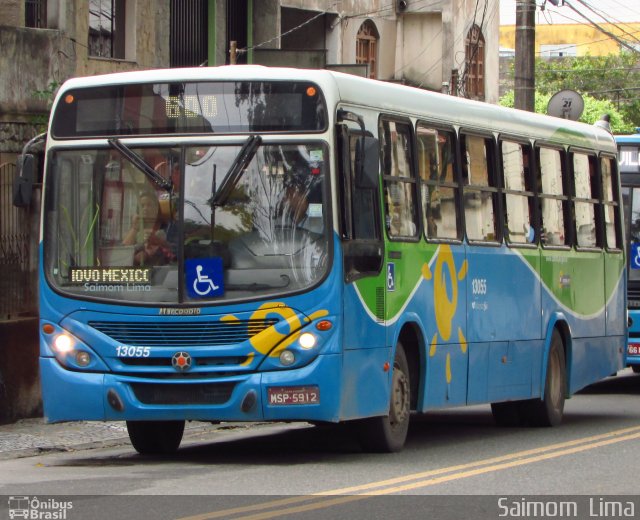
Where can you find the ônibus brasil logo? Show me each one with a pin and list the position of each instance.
(38, 509)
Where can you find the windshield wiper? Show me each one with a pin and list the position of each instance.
(242, 160)
(141, 164)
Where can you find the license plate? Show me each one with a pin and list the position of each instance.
(633, 349)
(289, 395)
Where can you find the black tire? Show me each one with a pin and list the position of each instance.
(636, 369)
(155, 437)
(387, 434)
(548, 410)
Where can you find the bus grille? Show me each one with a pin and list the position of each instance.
(633, 295)
(186, 334)
(183, 394)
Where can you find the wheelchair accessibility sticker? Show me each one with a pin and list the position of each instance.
(205, 277)
(391, 276)
(635, 255)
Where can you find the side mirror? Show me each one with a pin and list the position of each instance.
(367, 163)
(23, 183)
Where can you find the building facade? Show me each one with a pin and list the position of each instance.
(447, 45)
(566, 40)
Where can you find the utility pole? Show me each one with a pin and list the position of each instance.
(524, 87)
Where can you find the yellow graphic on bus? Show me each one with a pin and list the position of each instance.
(265, 341)
(445, 300)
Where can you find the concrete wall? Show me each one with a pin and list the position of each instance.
(12, 13)
(588, 40)
(19, 375)
(147, 40)
(420, 46)
(30, 60)
(420, 52)
(34, 60)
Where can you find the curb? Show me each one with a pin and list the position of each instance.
(33, 437)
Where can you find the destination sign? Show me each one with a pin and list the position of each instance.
(110, 275)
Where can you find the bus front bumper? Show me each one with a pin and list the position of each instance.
(308, 393)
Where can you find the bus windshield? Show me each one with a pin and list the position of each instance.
(116, 232)
(631, 199)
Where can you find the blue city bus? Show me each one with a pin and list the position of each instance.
(629, 166)
(246, 243)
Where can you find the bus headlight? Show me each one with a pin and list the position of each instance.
(307, 341)
(63, 344)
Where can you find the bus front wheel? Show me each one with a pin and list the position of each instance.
(155, 437)
(388, 433)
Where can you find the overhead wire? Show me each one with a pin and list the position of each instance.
(607, 20)
(599, 28)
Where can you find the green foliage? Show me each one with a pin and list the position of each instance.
(613, 78)
(594, 109)
(47, 95)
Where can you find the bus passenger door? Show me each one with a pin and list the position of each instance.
(365, 384)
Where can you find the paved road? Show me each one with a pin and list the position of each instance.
(454, 460)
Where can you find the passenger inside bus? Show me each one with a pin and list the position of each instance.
(147, 233)
(301, 204)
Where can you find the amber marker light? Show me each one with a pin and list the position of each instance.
(68, 99)
(311, 91)
(47, 328)
(324, 325)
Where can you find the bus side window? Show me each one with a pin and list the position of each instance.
(399, 183)
(438, 188)
(586, 198)
(552, 196)
(479, 192)
(518, 193)
(610, 206)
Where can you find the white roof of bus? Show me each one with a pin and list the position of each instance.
(384, 96)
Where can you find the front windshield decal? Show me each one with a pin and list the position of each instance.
(205, 278)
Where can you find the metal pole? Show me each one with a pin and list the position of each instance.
(233, 50)
(525, 55)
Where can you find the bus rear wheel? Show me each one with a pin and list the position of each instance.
(388, 433)
(155, 437)
(548, 410)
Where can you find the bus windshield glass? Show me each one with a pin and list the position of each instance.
(189, 108)
(114, 233)
(629, 158)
